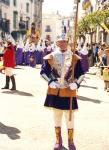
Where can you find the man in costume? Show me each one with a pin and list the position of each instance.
(9, 63)
(57, 70)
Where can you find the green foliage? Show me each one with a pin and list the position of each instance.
(89, 23)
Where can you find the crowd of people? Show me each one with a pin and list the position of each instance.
(99, 52)
(30, 54)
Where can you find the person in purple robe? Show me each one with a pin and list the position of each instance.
(48, 48)
(19, 53)
(32, 58)
(26, 53)
(83, 53)
(39, 53)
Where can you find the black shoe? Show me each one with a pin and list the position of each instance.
(13, 89)
(5, 87)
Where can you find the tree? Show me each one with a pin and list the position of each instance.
(89, 23)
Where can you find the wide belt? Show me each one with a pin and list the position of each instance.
(62, 92)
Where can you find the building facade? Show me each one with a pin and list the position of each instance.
(51, 26)
(54, 25)
(4, 17)
(100, 36)
(21, 13)
(38, 13)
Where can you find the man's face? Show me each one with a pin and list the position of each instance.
(62, 44)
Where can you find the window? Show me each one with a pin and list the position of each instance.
(6, 2)
(27, 7)
(22, 24)
(15, 19)
(1, 23)
(0, 13)
(6, 25)
(15, 2)
(48, 28)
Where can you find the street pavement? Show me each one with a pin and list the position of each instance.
(25, 124)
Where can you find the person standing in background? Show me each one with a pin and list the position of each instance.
(106, 69)
(83, 53)
(9, 64)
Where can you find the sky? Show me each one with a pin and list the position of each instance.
(60, 5)
(64, 7)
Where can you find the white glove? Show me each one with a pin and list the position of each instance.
(54, 85)
(73, 86)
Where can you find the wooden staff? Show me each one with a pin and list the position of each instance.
(73, 50)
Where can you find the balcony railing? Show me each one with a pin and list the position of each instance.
(6, 2)
(4, 25)
(22, 25)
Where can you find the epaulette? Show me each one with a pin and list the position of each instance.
(49, 57)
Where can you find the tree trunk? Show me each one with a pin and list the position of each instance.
(91, 56)
(104, 36)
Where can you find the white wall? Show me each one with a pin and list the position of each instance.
(55, 23)
(5, 13)
(21, 9)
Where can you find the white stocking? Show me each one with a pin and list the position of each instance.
(57, 117)
(69, 124)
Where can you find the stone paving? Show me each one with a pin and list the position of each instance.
(26, 125)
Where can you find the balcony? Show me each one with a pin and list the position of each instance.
(4, 25)
(22, 25)
(6, 2)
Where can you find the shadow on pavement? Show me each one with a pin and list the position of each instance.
(88, 99)
(63, 148)
(92, 87)
(16, 92)
(11, 132)
(19, 68)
